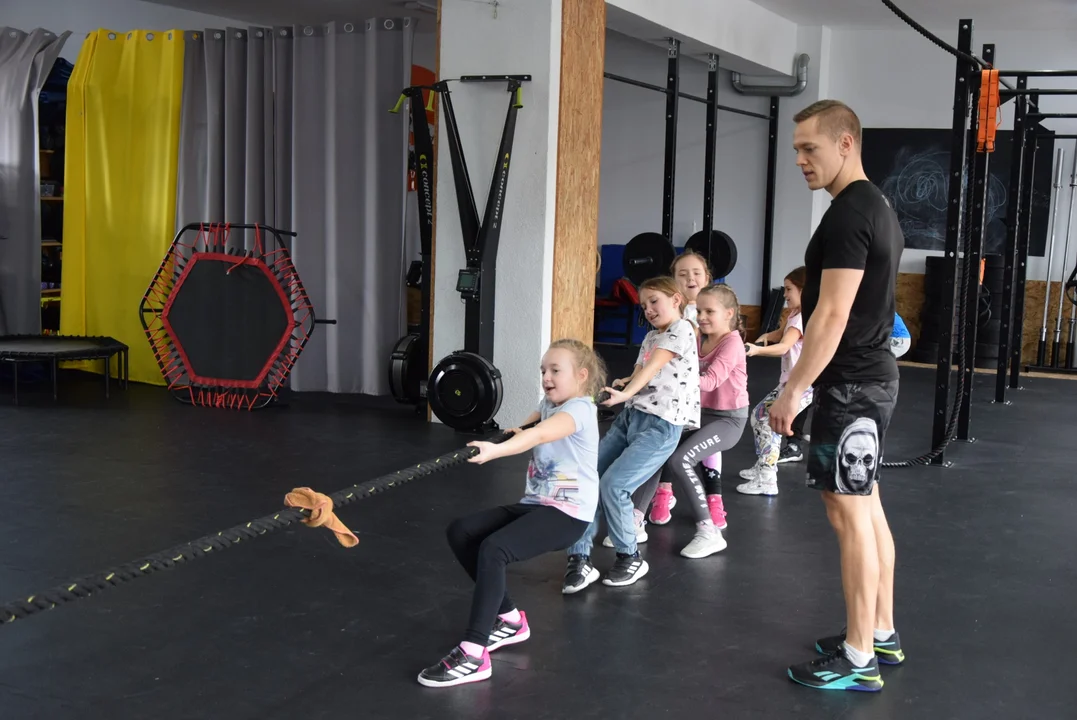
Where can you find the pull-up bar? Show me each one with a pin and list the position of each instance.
(686, 96)
(1037, 73)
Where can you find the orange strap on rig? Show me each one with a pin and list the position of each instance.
(989, 111)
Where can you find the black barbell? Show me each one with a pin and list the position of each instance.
(650, 254)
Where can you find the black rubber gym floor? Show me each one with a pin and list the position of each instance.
(292, 625)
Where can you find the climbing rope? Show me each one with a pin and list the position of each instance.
(87, 585)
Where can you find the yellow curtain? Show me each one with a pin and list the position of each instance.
(123, 122)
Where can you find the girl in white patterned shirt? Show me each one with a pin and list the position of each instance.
(661, 398)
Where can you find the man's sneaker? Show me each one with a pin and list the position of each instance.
(717, 508)
(790, 453)
(664, 501)
(641, 530)
(626, 570)
(508, 633)
(708, 540)
(764, 483)
(835, 672)
(579, 574)
(889, 651)
(457, 668)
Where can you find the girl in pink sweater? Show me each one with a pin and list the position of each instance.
(723, 383)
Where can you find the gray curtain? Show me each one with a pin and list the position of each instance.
(25, 62)
(290, 127)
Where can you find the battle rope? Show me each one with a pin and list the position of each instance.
(86, 586)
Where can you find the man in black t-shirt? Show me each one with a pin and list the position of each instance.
(848, 306)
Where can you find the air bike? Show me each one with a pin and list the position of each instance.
(464, 390)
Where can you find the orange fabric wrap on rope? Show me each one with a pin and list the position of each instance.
(990, 111)
(321, 514)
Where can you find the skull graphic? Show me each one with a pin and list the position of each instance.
(858, 456)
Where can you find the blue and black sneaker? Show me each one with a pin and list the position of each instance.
(835, 672)
(889, 651)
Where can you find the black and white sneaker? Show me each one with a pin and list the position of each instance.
(508, 633)
(579, 574)
(790, 453)
(626, 570)
(457, 668)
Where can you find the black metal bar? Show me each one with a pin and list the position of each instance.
(954, 226)
(981, 181)
(673, 85)
(684, 95)
(479, 311)
(1036, 73)
(465, 195)
(711, 147)
(1039, 91)
(495, 78)
(1013, 212)
(1017, 336)
(1051, 116)
(1054, 136)
(768, 218)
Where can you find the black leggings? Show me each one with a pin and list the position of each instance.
(719, 433)
(487, 541)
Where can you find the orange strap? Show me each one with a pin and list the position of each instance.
(321, 514)
(990, 111)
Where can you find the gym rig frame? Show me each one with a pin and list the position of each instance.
(673, 93)
(973, 135)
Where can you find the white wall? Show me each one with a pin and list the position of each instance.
(753, 38)
(918, 91)
(525, 38)
(633, 158)
(85, 16)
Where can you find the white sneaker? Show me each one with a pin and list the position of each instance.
(750, 473)
(764, 483)
(641, 531)
(708, 540)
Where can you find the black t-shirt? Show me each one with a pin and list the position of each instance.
(859, 231)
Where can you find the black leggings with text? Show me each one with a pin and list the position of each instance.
(719, 433)
(486, 542)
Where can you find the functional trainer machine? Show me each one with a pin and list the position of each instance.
(464, 390)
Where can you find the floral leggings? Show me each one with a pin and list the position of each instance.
(768, 444)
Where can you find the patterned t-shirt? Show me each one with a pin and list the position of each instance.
(564, 473)
(673, 393)
(790, 358)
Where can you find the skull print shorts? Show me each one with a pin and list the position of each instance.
(847, 432)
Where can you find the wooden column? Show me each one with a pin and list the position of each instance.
(579, 143)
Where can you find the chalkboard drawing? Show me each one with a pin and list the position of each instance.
(912, 168)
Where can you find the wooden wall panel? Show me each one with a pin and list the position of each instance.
(579, 143)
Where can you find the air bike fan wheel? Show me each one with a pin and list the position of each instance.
(466, 391)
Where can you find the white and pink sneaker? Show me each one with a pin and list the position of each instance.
(664, 502)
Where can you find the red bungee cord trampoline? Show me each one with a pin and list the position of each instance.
(226, 322)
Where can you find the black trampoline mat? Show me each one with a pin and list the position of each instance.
(56, 345)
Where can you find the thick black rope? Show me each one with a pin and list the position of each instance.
(87, 585)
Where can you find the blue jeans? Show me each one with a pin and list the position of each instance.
(636, 446)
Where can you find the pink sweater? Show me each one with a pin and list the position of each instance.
(723, 374)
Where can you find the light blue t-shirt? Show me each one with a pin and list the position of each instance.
(900, 331)
(564, 473)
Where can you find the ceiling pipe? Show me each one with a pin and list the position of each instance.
(800, 70)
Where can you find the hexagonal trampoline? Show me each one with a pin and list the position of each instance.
(225, 324)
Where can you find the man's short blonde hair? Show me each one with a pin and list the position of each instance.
(835, 118)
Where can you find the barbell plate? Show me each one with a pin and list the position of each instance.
(647, 255)
(721, 252)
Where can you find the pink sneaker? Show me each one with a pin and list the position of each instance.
(717, 508)
(663, 503)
